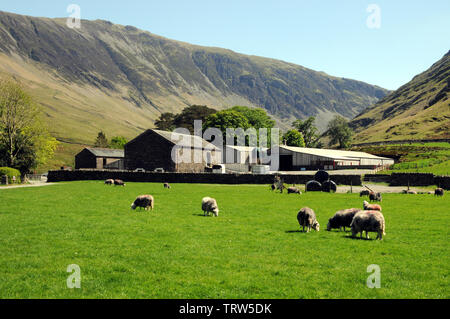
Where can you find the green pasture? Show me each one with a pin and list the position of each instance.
(252, 250)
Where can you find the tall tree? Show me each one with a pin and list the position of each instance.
(165, 122)
(226, 119)
(309, 131)
(194, 112)
(294, 138)
(258, 119)
(24, 140)
(340, 132)
(101, 140)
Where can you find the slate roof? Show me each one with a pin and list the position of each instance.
(106, 152)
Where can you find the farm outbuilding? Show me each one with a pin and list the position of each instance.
(241, 158)
(99, 158)
(301, 158)
(155, 149)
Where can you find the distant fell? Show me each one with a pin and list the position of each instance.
(418, 110)
(119, 79)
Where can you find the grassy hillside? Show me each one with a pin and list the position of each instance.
(119, 78)
(414, 158)
(252, 250)
(418, 110)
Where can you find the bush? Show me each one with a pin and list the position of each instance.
(10, 172)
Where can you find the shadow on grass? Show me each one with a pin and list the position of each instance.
(201, 215)
(349, 236)
(294, 231)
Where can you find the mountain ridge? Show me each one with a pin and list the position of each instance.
(419, 109)
(119, 78)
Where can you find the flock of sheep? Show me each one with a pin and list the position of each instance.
(147, 202)
(368, 219)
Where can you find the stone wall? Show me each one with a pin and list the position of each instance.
(204, 178)
(377, 178)
(412, 179)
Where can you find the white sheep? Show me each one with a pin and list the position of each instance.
(307, 218)
(209, 205)
(368, 221)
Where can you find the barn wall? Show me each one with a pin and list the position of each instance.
(85, 159)
(149, 151)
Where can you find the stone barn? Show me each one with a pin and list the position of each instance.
(172, 152)
(99, 158)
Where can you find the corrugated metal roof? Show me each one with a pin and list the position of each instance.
(106, 152)
(335, 154)
(186, 140)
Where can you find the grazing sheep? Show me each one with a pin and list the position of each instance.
(368, 221)
(375, 197)
(119, 182)
(439, 192)
(167, 185)
(143, 201)
(109, 182)
(307, 218)
(209, 205)
(364, 192)
(368, 206)
(342, 218)
(293, 190)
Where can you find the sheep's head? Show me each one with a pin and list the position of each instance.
(316, 226)
(133, 206)
(216, 211)
(329, 225)
(365, 204)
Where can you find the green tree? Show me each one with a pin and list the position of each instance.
(226, 119)
(258, 119)
(194, 112)
(309, 131)
(118, 142)
(101, 140)
(25, 141)
(294, 138)
(165, 122)
(339, 132)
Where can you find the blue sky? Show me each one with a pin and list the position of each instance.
(329, 36)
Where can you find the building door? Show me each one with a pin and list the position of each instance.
(285, 162)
